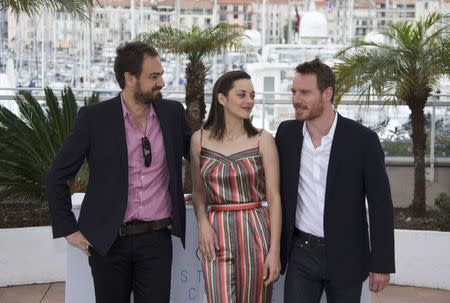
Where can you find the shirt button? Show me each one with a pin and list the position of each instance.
(142, 177)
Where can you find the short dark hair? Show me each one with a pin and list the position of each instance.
(324, 74)
(129, 58)
(216, 116)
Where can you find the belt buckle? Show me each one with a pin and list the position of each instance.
(121, 233)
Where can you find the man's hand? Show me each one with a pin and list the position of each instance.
(378, 282)
(78, 240)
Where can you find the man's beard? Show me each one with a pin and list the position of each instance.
(147, 97)
(311, 112)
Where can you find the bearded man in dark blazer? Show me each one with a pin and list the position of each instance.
(133, 144)
(329, 166)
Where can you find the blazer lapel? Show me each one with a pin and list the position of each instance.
(163, 118)
(121, 136)
(337, 149)
(294, 166)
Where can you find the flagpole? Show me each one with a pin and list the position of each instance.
(141, 15)
(133, 31)
(177, 61)
(43, 63)
(289, 24)
(297, 25)
(214, 23)
(263, 36)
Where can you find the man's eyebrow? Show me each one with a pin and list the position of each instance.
(156, 73)
(300, 90)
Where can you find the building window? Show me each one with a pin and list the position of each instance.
(235, 16)
(164, 18)
(223, 17)
(235, 8)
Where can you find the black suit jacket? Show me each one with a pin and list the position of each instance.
(99, 137)
(356, 170)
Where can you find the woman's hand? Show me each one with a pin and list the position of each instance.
(207, 241)
(272, 267)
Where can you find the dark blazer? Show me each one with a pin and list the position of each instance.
(356, 170)
(98, 136)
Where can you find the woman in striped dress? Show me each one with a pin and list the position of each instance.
(235, 168)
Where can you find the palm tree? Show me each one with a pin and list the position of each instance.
(195, 44)
(28, 144)
(31, 7)
(404, 69)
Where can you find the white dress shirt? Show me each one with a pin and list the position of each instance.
(313, 181)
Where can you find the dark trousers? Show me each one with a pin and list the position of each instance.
(140, 264)
(306, 277)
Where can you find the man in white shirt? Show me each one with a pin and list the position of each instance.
(329, 165)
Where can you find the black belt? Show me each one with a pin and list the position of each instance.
(308, 237)
(139, 227)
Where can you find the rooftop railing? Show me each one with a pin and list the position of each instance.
(392, 123)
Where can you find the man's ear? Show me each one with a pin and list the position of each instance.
(130, 79)
(328, 94)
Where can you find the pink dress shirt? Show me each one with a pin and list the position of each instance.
(148, 187)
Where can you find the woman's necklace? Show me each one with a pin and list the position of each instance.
(234, 137)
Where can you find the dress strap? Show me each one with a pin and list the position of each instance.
(201, 136)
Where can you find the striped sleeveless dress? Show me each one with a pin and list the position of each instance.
(236, 275)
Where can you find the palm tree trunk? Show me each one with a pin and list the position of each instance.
(195, 93)
(418, 205)
(195, 107)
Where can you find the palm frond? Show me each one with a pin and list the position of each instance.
(69, 111)
(411, 60)
(28, 143)
(79, 8)
(196, 42)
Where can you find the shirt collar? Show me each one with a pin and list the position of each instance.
(330, 134)
(151, 112)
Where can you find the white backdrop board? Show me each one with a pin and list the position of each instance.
(187, 278)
